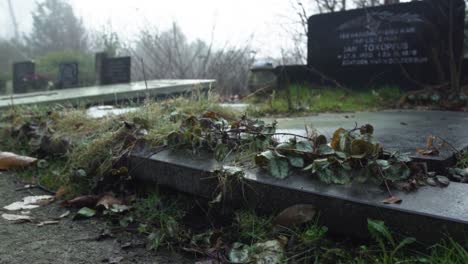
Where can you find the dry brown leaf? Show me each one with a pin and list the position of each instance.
(428, 152)
(61, 192)
(211, 115)
(335, 142)
(295, 215)
(10, 160)
(430, 142)
(107, 201)
(392, 200)
(82, 201)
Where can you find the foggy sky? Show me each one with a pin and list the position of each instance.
(231, 21)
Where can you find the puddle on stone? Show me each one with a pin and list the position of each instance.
(236, 106)
(107, 110)
(284, 138)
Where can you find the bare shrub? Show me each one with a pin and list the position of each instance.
(170, 55)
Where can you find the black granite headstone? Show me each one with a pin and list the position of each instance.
(402, 44)
(68, 75)
(23, 76)
(2, 86)
(115, 70)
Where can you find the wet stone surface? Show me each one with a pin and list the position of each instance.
(404, 131)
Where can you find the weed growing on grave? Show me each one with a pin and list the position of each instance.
(253, 228)
(159, 219)
(90, 148)
(251, 236)
(80, 151)
(462, 160)
(449, 251)
(388, 245)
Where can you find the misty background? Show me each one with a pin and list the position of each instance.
(208, 39)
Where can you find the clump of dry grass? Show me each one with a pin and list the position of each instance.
(97, 144)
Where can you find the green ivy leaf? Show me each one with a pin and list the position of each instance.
(296, 161)
(326, 150)
(263, 159)
(86, 212)
(397, 172)
(304, 146)
(325, 175)
(384, 164)
(279, 168)
(341, 155)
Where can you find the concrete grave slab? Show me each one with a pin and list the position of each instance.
(108, 93)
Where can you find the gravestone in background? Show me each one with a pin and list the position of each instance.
(68, 75)
(23, 76)
(99, 59)
(2, 87)
(115, 70)
(403, 44)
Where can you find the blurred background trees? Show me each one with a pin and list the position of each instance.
(59, 35)
(56, 28)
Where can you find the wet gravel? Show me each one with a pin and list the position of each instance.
(68, 241)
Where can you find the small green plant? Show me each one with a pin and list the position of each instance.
(449, 252)
(159, 217)
(388, 246)
(253, 228)
(312, 234)
(462, 160)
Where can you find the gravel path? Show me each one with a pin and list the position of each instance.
(68, 241)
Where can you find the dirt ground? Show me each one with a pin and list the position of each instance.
(68, 241)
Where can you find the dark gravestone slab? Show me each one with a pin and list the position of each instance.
(68, 75)
(23, 76)
(115, 70)
(428, 214)
(404, 44)
(2, 87)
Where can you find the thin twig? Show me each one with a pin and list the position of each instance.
(266, 134)
(385, 181)
(449, 144)
(144, 78)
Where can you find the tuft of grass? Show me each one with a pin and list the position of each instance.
(159, 218)
(462, 160)
(252, 228)
(96, 144)
(50, 174)
(449, 251)
(306, 99)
